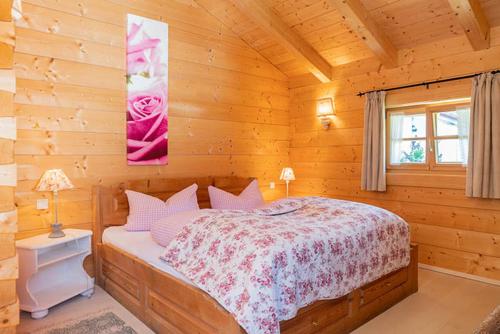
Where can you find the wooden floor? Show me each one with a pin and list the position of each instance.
(444, 304)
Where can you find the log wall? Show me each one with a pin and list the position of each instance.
(453, 231)
(228, 112)
(9, 306)
(231, 113)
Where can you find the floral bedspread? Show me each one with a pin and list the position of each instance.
(263, 269)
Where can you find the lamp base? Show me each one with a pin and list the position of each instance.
(56, 231)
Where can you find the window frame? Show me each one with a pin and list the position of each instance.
(430, 163)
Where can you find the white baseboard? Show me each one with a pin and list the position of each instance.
(460, 274)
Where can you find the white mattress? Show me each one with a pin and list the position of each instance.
(141, 245)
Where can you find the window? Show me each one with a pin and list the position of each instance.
(428, 137)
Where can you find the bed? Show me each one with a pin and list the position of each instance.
(168, 302)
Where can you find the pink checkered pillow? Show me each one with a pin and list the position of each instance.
(250, 198)
(145, 209)
(164, 230)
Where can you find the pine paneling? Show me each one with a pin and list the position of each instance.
(8, 222)
(454, 231)
(9, 306)
(7, 43)
(228, 106)
(406, 24)
(231, 111)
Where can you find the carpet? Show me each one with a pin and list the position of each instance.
(79, 309)
(491, 325)
(105, 322)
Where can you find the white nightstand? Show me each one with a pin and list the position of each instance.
(51, 270)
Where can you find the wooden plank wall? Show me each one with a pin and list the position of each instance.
(228, 111)
(453, 231)
(9, 306)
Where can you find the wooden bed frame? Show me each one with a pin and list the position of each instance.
(169, 305)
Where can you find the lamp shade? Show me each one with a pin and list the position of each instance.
(287, 174)
(325, 108)
(54, 180)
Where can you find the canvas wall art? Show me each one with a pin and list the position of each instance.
(147, 86)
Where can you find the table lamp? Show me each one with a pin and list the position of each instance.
(54, 180)
(287, 175)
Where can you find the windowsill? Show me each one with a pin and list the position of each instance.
(442, 179)
(426, 169)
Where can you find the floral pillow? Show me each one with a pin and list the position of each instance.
(145, 209)
(250, 198)
(280, 207)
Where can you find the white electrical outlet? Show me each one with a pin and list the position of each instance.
(42, 204)
(272, 185)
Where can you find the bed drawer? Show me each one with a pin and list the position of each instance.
(175, 315)
(128, 283)
(383, 285)
(316, 317)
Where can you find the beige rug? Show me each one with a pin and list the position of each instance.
(99, 314)
(103, 322)
(490, 325)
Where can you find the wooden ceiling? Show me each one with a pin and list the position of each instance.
(313, 36)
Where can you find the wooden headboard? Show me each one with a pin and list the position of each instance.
(110, 205)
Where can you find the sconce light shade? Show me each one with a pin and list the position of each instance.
(324, 109)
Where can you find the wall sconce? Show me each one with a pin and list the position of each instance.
(324, 109)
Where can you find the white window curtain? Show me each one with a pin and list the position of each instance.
(373, 167)
(463, 117)
(396, 137)
(483, 168)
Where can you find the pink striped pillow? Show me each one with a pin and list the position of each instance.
(164, 230)
(250, 198)
(145, 210)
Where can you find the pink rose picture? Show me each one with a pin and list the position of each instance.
(147, 86)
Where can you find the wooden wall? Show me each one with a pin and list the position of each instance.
(229, 115)
(9, 307)
(454, 232)
(228, 111)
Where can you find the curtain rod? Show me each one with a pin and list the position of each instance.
(425, 83)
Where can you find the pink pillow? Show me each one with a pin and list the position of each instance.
(145, 210)
(164, 230)
(250, 198)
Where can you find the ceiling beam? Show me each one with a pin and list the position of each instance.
(358, 18)
(267, 20)
(474, 22)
